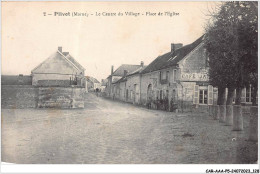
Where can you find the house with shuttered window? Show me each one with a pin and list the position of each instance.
(180, 75)
(128, 87)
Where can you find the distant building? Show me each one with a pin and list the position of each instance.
(128, 87)
(103, 84)
(92, 83)
(59, 69)
(117, 75)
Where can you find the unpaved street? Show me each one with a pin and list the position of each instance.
(112, 132)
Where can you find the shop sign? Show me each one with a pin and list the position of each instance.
(194, 77)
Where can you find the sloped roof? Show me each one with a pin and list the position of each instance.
(68, 58)
(140, 69)
(95, 80)
(124, 78)
(74, 61)
(129, 68)
(171, 59)
(92, 79)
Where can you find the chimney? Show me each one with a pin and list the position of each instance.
(175, 46)
(172, 47)
(125, 72)
(142, 63)
(112, 69)
(60, 49)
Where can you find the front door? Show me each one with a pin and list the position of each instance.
(149, 93)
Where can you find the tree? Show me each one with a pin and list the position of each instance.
(231, 43)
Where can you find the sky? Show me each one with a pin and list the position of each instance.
(96, 42)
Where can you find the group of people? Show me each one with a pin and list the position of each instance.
(162, 104)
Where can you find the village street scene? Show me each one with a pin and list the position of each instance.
(195, 103)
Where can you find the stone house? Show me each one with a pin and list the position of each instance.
(103, 84)
(112, 90)
(130, 86)
(92, 83)
(180, 75)
(97, 84)
(59, 69)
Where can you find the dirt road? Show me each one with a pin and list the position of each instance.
(108, 132)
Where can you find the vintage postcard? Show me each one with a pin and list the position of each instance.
(130, 83)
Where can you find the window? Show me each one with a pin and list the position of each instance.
(160, 75)
(167, 75)
(234, 96)
(163, 75)
(248, 94)
(174, 75)
(203, 96)
(161, 94)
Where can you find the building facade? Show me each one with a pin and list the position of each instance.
(175, 80)
(60, 69)
(103, 85)
(92, 83)
(179, 77)
(112, 88)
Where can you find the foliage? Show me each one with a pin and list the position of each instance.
(231, 43)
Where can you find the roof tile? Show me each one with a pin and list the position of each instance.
(171, 59)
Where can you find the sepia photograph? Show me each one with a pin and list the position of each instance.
(130, 83)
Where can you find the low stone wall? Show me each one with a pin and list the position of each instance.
(18, 96)
(28, 96)
(61, 97)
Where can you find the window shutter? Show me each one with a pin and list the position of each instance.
(226, 93)
(210, 95)
(243, 95)
(196, 94)
(215, 95)
(234, 97)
